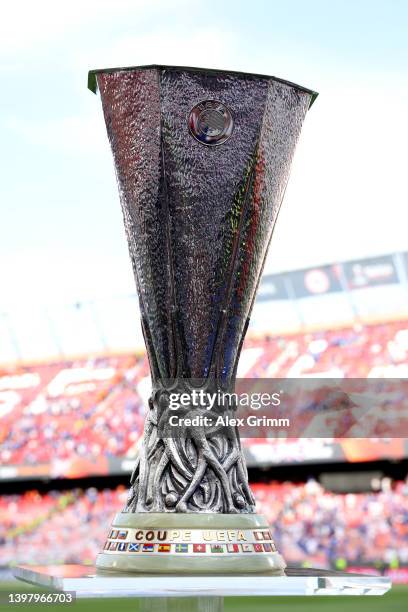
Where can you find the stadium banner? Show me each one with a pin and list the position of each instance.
(316, 281)
(272, 287)
(370, 272)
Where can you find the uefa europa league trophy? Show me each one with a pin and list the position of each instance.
(202, 159)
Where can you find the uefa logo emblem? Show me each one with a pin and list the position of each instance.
(211, 122)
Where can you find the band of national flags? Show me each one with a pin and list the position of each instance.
(118, 542)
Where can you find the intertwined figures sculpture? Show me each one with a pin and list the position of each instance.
(198, 469)
(202, 160)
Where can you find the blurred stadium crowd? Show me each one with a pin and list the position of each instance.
(308, 522)
(95, 407)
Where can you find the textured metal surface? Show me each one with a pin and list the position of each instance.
(199, 221)
(93, 74)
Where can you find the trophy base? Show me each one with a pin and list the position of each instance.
(164, 543)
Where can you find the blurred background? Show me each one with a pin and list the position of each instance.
(333, 301)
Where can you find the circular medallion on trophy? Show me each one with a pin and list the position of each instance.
(211, 122)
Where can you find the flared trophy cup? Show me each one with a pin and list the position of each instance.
(202, 159)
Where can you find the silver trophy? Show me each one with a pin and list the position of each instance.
(202, 160)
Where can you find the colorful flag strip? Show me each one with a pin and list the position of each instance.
(181, 548)
(163, 548)
(233, 548)
(199, 548)
(217, 548)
